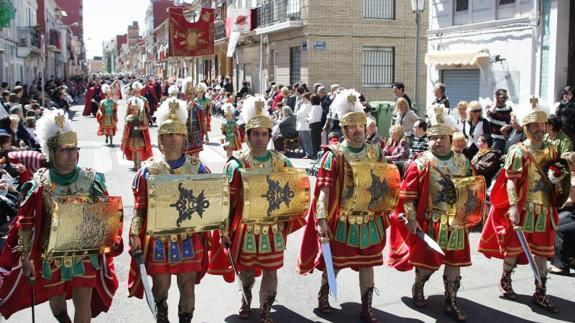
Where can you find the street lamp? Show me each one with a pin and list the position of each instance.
(418, 6)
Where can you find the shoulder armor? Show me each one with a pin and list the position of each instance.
(29, 188)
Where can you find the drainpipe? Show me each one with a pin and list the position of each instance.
(535, 24)
(261, 76)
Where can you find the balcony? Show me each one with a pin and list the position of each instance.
(220, 30)
(28, 40)
(278, 15)
(29, 36)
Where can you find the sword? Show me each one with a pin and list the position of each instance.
(144, 278)
(331, 280)
(525, 247)
(237, 273)
(423, 236)
(32, 280)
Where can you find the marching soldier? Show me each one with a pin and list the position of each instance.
(136, 144)
(29, 254)
(183, 255)
(523, 216)
(196, 121)
(204, 105)
(231, 131)
(107, 115)
(355, 230)
(257, 242)
(441, 199)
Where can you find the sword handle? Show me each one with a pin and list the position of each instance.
(137, 253)
(401, 217)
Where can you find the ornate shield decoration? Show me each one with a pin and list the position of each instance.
(277, 195)
(470, 201)
(186, 203)
(371, 187)
(84, 225)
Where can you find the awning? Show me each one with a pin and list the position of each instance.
(457, 57)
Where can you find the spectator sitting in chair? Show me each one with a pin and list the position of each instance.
(487, 161)
(285, 128)
(397, 148)
(373, 136)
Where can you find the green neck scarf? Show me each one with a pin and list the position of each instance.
(64, 180)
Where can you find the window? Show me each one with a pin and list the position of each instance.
(379, 9)
(378, 66)
(505, 2)
(461, 5)
(294, 65)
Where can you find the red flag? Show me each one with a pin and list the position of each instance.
(191, 38)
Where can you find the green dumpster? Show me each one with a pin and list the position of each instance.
(383, 111)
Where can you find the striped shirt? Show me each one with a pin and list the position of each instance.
(501, 117)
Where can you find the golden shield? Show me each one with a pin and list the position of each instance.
(280, 194)
(84, 225)
(187, 203)
(470, 201)
(370, 187)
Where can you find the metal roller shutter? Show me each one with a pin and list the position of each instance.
(460, 85)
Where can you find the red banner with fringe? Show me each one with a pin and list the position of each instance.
(191, 38)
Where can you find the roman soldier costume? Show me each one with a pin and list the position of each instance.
(440, 193)
(136, 143)
(278, 196)
(205, 105)
(107, 115)
(541, 183)
(362, 192)
(231, 131)
(172, 227)
(196, 120)
(70, 228)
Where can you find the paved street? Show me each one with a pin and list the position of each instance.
(217, 301)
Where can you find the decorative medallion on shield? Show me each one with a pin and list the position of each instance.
(378, 189)
(276, 195)
(448, 193)
(188, 204)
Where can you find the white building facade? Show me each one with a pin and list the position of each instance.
(478, 46)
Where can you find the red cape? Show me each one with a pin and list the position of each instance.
(147, 153)
(16, 292)
(88, 101)
(401, 242)
(343, 255)
(498, 233)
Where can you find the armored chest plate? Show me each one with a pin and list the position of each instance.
(279, 194)
(370, 187)
(186, 203)
(83, 225)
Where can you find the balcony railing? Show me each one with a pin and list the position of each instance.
(29, 36)
(270, 12)
(220, 30)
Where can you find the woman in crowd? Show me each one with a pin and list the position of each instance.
(302, 125)
(487, 161)
(405, 116)
(474, 126)
(284, 93)
(461, 114)
(397, 148)
(315, 124)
